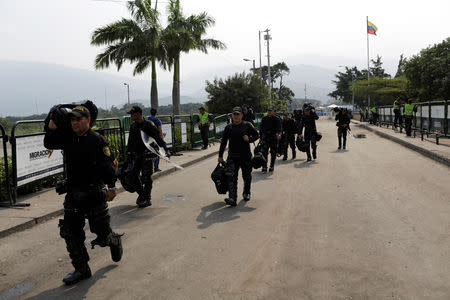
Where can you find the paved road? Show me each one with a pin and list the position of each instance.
(370, 222)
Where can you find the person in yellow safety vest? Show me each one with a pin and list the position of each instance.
(397, 113)
(361, 114)
(408, 113)
(203, 126)
(374, 113)
(366, 114)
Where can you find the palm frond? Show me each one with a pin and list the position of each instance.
(119, 31)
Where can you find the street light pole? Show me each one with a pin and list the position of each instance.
(128, 89)
(267, 37)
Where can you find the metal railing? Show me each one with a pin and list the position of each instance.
(431, 118)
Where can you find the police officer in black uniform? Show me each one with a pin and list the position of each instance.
(290, 129)
(239, 134)
(270, 132)
(308, 122)
(248, 114)
(140, 157)
(343, 124)
(89, 167)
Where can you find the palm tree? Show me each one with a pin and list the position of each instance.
(136, 40)
(182, 35)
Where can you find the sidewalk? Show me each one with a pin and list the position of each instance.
(427, 147)
(47, 204)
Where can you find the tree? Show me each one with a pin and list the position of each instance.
(429, 72)
(235, 90)
(184, 34)
(382, 91)
(401, 64)
(377, 69)
(136, 40)
(344, 83)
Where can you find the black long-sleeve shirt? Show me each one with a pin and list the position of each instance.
(238, 148)
(135, 143)
(342, 119)
(88, 157)
(249, 117)
(309, 123)
(270, 127)
(289, 126)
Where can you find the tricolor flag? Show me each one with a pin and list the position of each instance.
(371, 28)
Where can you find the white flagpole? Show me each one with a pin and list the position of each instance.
(368, 64)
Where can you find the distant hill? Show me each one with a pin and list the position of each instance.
(32, 87)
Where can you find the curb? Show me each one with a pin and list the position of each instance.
(59, 212)
(423, 151)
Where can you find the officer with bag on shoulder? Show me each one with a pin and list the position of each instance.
(238, 134)
(90, 166)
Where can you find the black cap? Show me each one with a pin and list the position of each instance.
(201, 107)
(135, 109)
(80, 111)
(237, 109)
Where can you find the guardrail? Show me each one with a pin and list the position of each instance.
(431, 118)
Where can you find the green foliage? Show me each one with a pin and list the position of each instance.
(3, 189)
(429, 72)
(235, 90)
(382, 91)
(344, 83)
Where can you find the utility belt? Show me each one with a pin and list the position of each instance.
(65, 186)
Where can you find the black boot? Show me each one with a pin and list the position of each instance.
(345, 142)
(285, 157)
(231, 201)
(314, 153)
(80, 273)
(294, 154)
(340, 143)
(246, 196)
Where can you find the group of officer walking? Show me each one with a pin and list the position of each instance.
(92, 170)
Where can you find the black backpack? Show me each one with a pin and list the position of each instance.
(219, 178)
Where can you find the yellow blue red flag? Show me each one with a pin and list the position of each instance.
(371, 28)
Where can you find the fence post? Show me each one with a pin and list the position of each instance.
(7, 184)
(445, 117)
(429, 118)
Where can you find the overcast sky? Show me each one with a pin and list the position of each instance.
(58, 31)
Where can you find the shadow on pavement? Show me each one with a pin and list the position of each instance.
(339, 151)
(219, 212)
(258, 176)
(306, 164)
(77, 291)
(123, 214)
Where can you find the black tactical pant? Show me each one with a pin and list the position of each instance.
(269, 145)
(397, 118)
(232, 169)
(310, 140)
(204, 132)
(342, 135)
(79, 205)
(289, 142)
(142, 174)
(408, 125)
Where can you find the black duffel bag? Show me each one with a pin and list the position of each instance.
(258, 159)
(318, 136)
(219, 177)
(301, 144)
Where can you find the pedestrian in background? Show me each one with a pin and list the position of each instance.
(203, 126)
(409, 110)
(290, 129)
(343, 124)
(270, 133)
(308, 122)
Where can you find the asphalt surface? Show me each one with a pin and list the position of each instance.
(369, 222)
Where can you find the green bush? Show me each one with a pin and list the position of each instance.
(3, 184)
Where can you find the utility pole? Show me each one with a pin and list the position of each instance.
(305, 92)
(128, 89)
(260, 68)
(267, 37)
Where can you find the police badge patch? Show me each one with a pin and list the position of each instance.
(107, 151)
